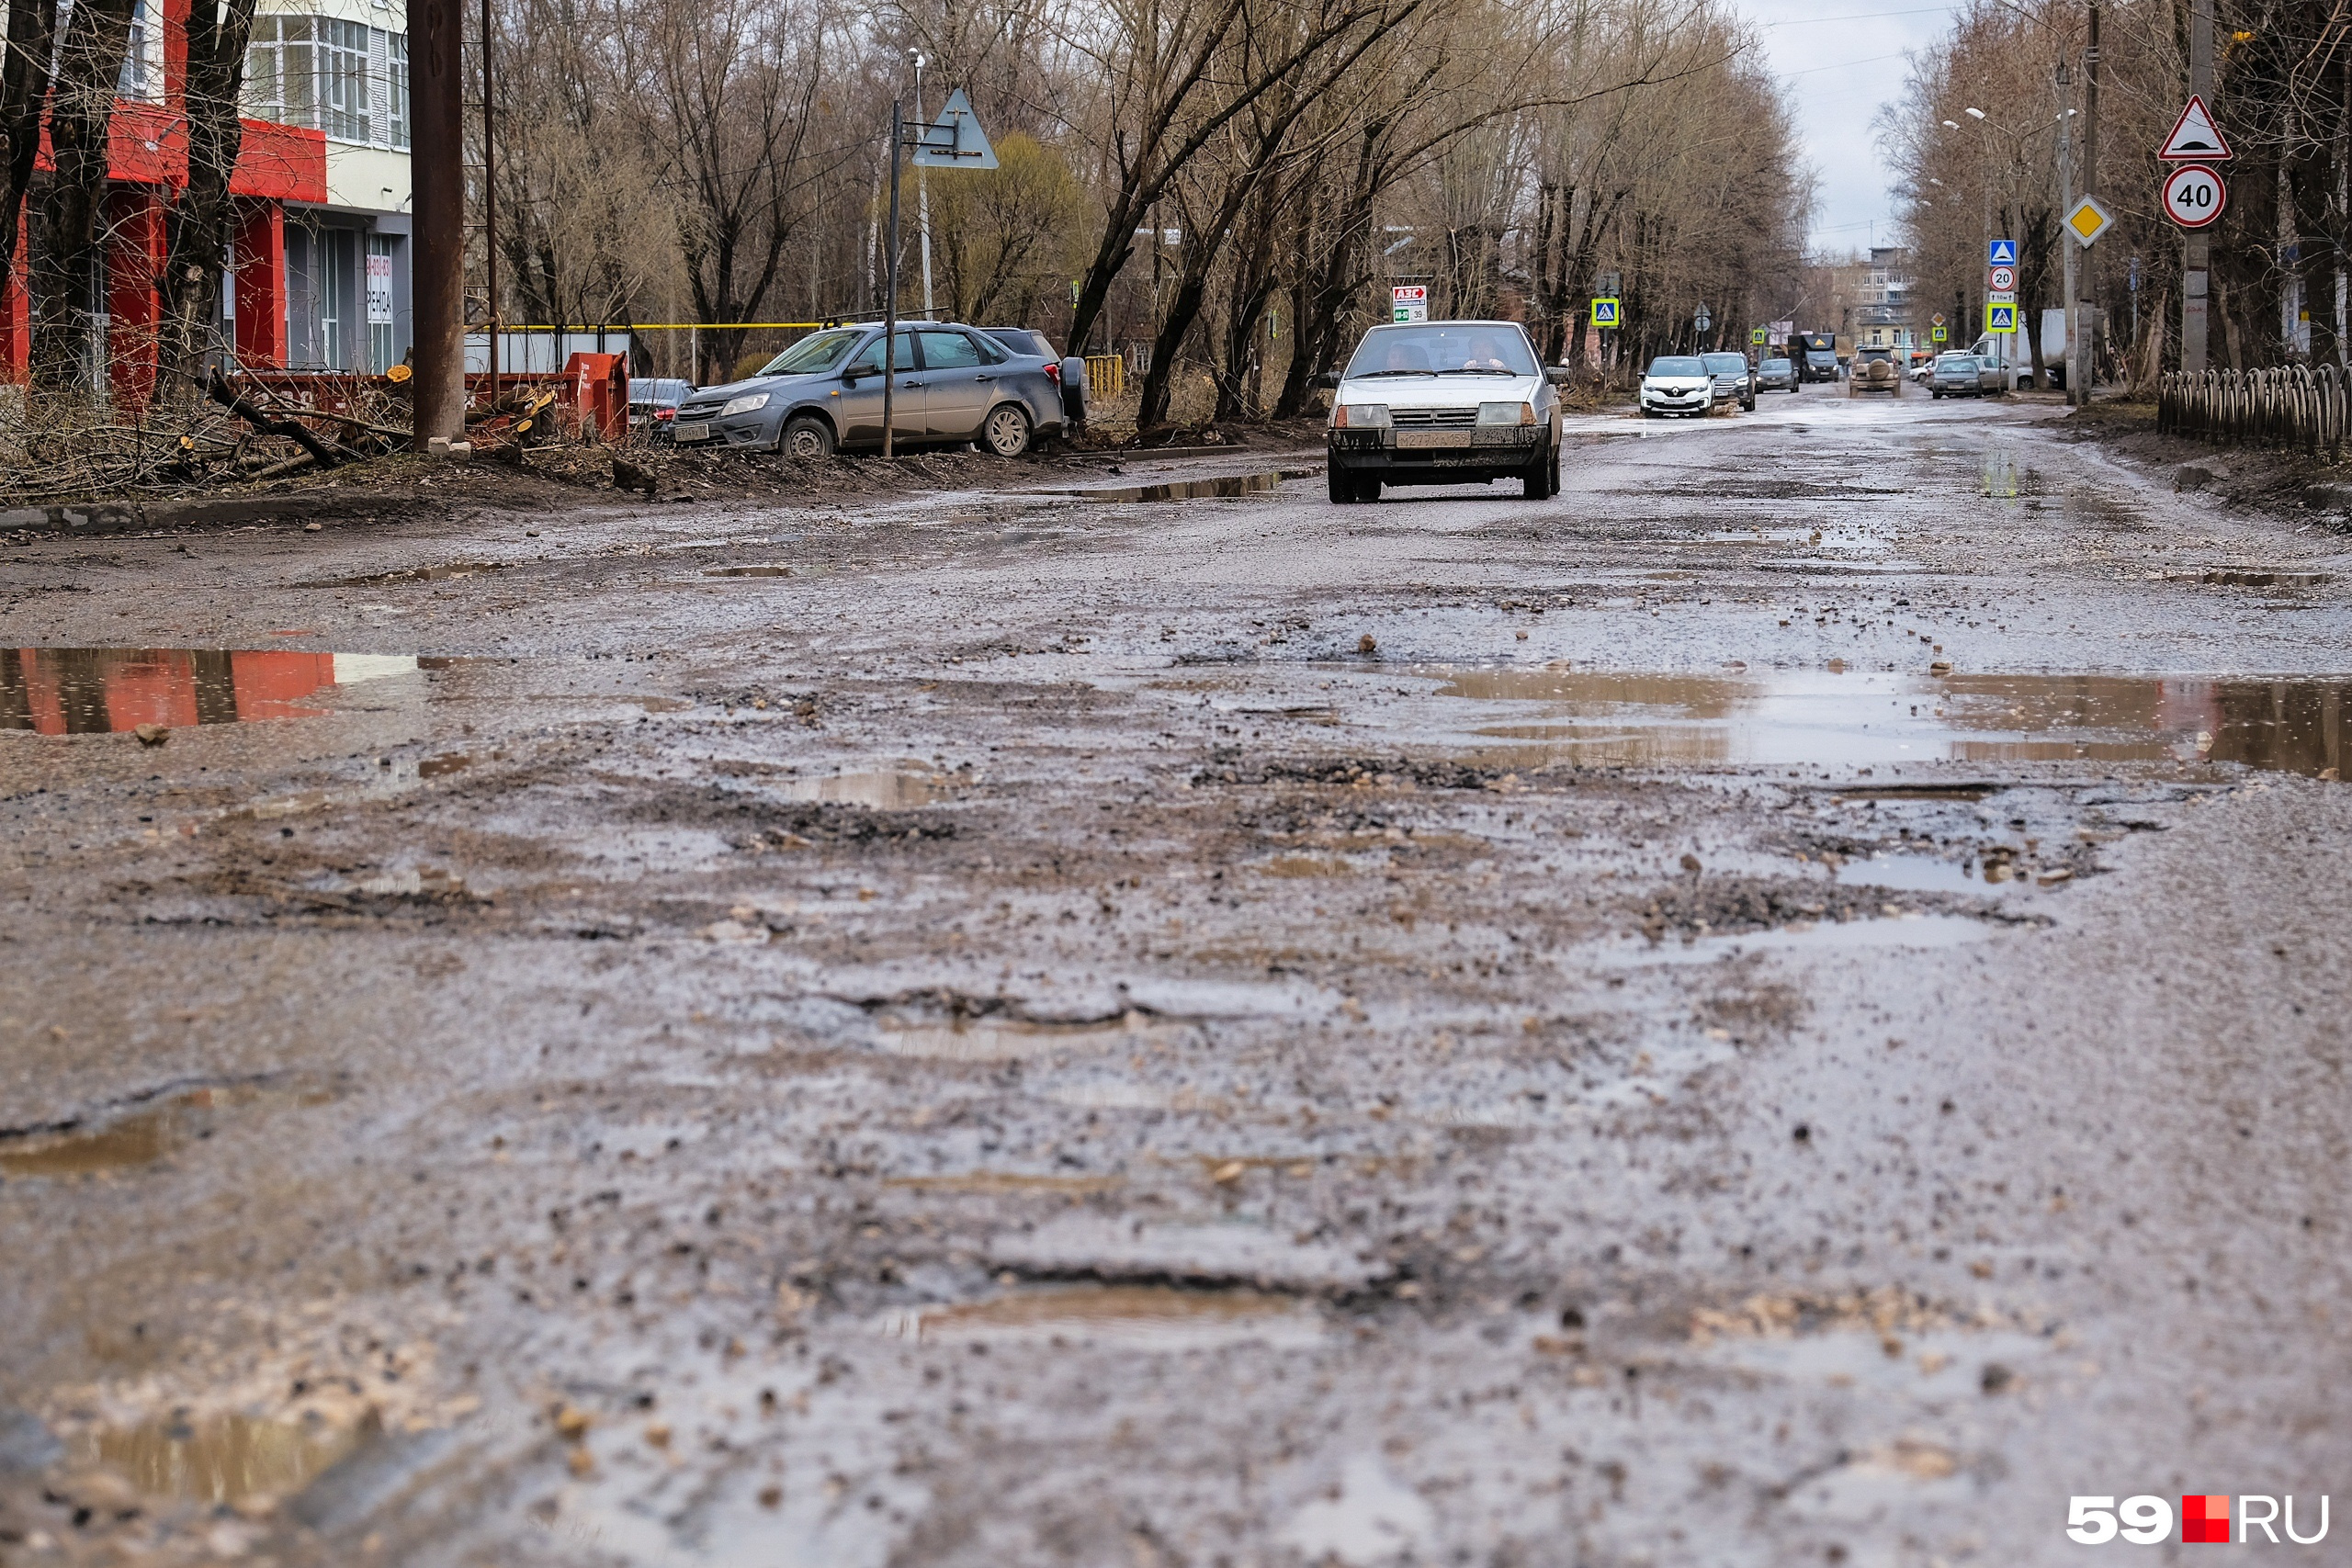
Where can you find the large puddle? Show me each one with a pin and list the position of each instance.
(141, 1138)
(1188, 490)
(1845, 719)
(223, 1459)
(92, 690)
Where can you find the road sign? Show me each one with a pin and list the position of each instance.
(2088, 220)
(2194, 195)
(954, 140)
(1409, 302)
(1756, 334)
(1608, 314)
(1936, 320)
(2001, 317)
(2001, 280)
(1937, 334)
(2194, 137)
(2001, 296)
(2001, 253)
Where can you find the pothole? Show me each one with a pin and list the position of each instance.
(96, 691)
(1842, 718)
(883, 789)
(139, 1139)
(996, 1039)
(450, 571)
(241, 1461)
(1149, 1317)
(1189, 490)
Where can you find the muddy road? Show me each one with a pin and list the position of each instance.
(1787, 1005)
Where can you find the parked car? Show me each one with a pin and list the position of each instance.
(1730, 371)
(1776, 375)
(1075, 391)
(1677, 384)
(1441, 403)
(954, 385)
(1962, 376)
(1874, 371)
(653, 402)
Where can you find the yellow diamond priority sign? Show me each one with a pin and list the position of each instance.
(2088, 220)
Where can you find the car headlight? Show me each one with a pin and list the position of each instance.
(1505, 413)
(744, 404)
(1360, 416)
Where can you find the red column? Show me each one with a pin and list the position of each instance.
(134, 260)
(16, 319)
(260, 260)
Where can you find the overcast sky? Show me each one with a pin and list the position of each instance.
(1844, 58)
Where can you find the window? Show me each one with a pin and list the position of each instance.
(132, 82)
(869, 363)
(315, 72)
(949, 351)
(396, 96)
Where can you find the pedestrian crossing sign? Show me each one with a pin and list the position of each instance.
(1608, 314)
(1937, 334)
(2000, 318)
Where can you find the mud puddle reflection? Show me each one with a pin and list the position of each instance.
(1226, 485)
(94, 691)
(1014, 1039)
(235, 1460)
(884, 789)
(141, 1138)
(1827, 718)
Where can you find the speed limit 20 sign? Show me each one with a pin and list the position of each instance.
(2194, 195)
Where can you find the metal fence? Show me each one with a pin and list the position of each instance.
(2292, 405)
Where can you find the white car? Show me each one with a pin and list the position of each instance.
(1443, 403)
(1677, 384)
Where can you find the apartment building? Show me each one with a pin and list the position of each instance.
(318, 262)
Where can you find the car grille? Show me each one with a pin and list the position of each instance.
(1432, 419)
(700, 410)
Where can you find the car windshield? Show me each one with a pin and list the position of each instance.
(1726, 364)
(1448, 348)
(1776, 364)
(1671, 366)
(1956, 361)
(820, 351)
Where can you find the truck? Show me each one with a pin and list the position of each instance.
(1816, 356)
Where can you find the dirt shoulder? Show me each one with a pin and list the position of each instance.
(407, 487)
(2285, 484)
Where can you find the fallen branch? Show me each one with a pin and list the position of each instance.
(322, 453)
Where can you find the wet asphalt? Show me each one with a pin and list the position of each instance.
(1786, 1005)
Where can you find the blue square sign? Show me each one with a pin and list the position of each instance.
(2003, 252)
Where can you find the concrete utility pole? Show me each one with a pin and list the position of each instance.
(436, 163)
(2195, 251)
(922, 199)
(2084, 314)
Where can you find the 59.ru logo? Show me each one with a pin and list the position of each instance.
(2204, 1517)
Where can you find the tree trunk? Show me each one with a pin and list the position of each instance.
(197, 226)
(23, 89)
(69, 260)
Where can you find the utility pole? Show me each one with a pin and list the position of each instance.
(490, 204)
(2084, 311)
(922, 199)
(890, 288)
(437, 143)
(2067, 248)
(2195, 251)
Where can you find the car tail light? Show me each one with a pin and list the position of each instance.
(1054, 371)
(665, 414)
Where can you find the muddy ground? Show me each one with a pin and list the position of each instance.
(1787, 1005)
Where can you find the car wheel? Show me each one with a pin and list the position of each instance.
(1006, 433)
(805, 435)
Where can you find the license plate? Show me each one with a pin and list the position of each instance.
(1429, 440)
(690, 433)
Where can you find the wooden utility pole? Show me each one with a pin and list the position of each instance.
(437, 174)
(2082, 314)
(2195, 251)
(2069, 249)
(890, 289)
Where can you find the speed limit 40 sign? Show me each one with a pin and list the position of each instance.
(2194, 195)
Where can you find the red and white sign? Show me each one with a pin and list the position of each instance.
(2194, 195)
(2194, 137)
(1409, 302)
(2001, 280)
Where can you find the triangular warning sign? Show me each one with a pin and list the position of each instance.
(954, 140)
(2195, 136)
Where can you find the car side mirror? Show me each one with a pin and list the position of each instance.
(1558, 375)
(1328, 380)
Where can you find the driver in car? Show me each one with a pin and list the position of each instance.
(1486, 354)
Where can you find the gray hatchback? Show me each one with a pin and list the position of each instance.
(1961, 375)
(824, 394)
